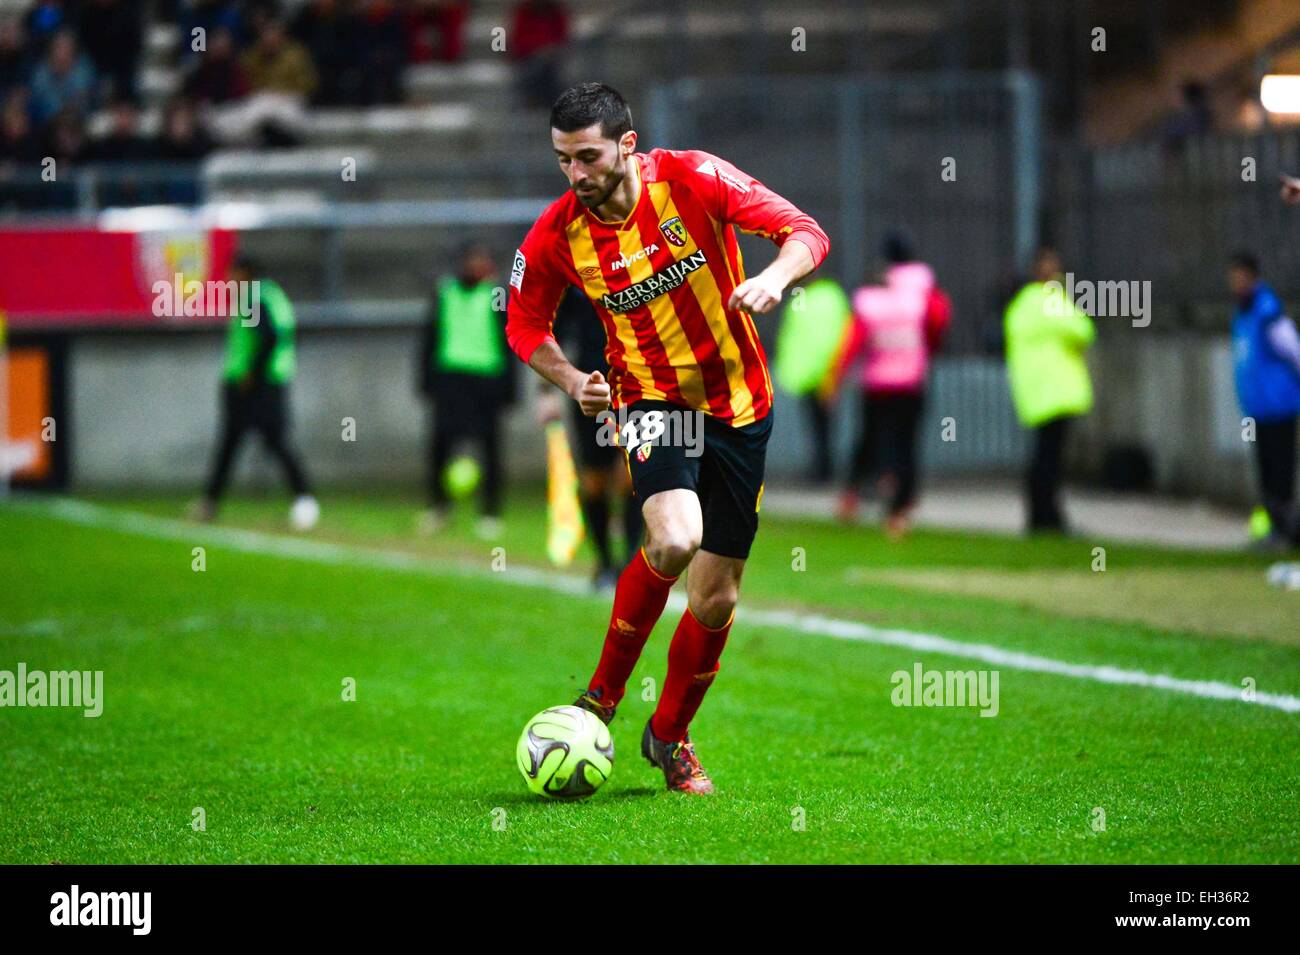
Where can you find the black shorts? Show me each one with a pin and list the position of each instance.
(727, 474)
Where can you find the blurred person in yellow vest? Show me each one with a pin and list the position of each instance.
(815, 325)
(1047, 336)
(464, 371)
(261, 359)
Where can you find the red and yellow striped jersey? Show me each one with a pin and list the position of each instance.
(660, 281)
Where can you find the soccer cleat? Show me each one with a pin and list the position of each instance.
(590, 701)
(681, 767)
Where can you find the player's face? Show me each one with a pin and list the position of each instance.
(593, 164)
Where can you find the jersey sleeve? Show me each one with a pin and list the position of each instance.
(536, 286)
(740, 199)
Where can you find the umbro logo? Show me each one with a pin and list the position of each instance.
(710, 168)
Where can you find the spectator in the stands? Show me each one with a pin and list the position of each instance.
(46, 19)
(329, 30)
(124, 142)
(277, 63)
(183, 137)
(384, 56)
(539, 33)
(217, 77)
(15, 58)
(65, 138)
(112, 32)
(18, 141)
(436, 30)
(63, 81)
(282, 79)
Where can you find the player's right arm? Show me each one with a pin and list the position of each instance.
(536, 286)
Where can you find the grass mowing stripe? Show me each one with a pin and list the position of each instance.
(93, 515)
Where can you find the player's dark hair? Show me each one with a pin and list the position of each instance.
(589, 103)
(1245, 260)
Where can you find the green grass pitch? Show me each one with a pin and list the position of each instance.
(223, 690)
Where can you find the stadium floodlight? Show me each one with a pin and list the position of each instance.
(1280, 93)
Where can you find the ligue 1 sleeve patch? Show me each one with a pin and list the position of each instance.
(517, 271)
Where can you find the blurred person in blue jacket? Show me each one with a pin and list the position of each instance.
(1266, 362)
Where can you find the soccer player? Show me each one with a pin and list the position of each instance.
(650, 239)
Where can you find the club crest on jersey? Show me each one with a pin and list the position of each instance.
(643, 452)
(674, 231)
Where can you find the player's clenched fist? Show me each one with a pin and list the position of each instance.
(592, 394)
(756, 296)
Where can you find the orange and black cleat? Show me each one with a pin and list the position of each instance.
(590, 701)
(681, 767)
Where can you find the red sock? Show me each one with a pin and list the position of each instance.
(638, 603)
(692, 664)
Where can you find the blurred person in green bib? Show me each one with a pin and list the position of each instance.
(259, 368)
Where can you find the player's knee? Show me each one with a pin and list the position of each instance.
(713, 609)
(672, 548)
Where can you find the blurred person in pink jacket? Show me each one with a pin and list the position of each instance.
(897, 325)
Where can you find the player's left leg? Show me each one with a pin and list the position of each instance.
(713, 584)
(731, 492)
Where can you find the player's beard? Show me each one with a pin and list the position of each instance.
(598, 199)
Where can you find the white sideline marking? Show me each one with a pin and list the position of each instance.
(297, 548)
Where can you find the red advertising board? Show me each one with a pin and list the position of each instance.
(76, 276)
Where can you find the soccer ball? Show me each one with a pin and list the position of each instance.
(461, 477)
(565, 753)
